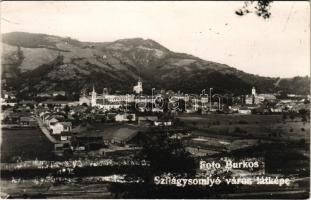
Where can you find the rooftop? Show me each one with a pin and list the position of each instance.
(107, 132)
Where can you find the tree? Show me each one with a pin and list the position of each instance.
(182, 105)
(67, 109)
(261, 8)
(129, 117)
(164, 155)
(292, 116)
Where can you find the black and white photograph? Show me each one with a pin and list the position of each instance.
(155, 100)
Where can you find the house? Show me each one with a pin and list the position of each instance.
(11, 104)
(58, 93)
(85, 135)
(180, 135)
(143, 119)
(263, 97)
(42, 113)
(111, 116)
(156, 109)
(44, 94)
(250, 99)
(251, 106)
(15, 117)
(190, 110)
(55, 103)
(67, 126)
(105, 105)
(28, 103)
(125, 117)
(60, 148)
(28, 121)
(50, 120)
(122, 135)
(84, 100)
(276, 110)
(73, 103)
(60, 127)
(245, 111)
(99, 135)
(65, 136)
(162, 123)
(56, 128)
(8, 95)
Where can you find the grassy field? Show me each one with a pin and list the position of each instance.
(27, 144)
(270, 127)
(232, 118)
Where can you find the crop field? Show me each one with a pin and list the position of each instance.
(25, 144)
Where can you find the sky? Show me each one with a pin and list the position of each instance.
(276, 47)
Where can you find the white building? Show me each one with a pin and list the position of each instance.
(254, 91)
(125, 117)
(60, 127)
(138, 89)
(105, 101)
(57, 128)
(162, 123)
(93, 97)
(245, 111)
(255, 98)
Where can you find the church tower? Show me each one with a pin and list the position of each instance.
(93, 97)
(138, 89)
(254, 95)
(254, 91)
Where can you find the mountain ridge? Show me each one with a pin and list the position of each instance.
(63, 63)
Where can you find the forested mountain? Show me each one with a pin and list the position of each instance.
(33, 63)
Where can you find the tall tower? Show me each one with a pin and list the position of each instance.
(138, 89)
(140, 85)
(93, 97)
(254, 91)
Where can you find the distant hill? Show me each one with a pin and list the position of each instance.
(33, 63)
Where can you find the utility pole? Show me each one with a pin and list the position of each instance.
(210, 94)
(152, 99)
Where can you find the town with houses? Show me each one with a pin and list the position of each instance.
(103, 123)
(155, 100)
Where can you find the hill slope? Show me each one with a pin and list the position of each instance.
(33, 63)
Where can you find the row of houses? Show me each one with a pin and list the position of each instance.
(19, 119)
(56, 124)
(52, 94)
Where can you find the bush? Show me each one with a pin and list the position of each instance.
(238, 130)
(302, 141)
(216, 123)
(242, 122)
(303, 119)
